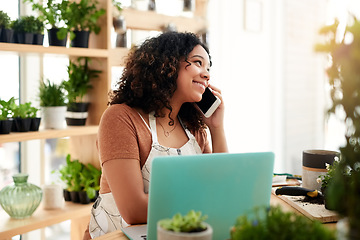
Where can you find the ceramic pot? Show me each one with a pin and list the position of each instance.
(54, 117)
(163, 234)
(77, 113)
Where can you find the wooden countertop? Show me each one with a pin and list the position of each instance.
(274, 200)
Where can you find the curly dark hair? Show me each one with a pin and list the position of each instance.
(149, 79)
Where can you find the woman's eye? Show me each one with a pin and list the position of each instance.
(198, 62)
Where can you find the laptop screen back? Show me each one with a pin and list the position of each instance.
(222, 186)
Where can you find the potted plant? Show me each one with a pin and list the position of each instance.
(6, 32)
(90, 183)
(53, 104)
(82, 181)
(39, 31)
(5, 113)
(70, 175)
(273, 223)
(35, 120)
(189, 226)
(53, 15)
(21, 119)
(78, 85)
(82, 19)
(343, 191)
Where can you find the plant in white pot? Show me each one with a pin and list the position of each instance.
(79, 83)
(191, 226)
(53, 104)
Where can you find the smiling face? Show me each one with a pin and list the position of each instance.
(193, 76)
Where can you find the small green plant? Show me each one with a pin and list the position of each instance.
(18, 25)
(80, 75)
(6, 108)
(4, 20)
(80, 177)
(70, 174)
(51, 94)
(90, 180)
(327, 178)
(117, 5)
(191, 222)
(83, 15)
(274, 223)
(22, 110)
(32, 113)
(52, 14)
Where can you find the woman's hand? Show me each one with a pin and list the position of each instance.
(216, 125)
(216, 120)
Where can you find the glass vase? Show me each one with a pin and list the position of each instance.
(20, 199)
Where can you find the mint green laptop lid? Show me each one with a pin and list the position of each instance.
(222, 186)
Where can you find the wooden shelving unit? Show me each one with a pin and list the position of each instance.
(69, 131)
(105, 57)
(41, 218)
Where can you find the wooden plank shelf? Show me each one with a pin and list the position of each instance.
(41, 218)
(38, 49)
(69, 131)
(152, 21)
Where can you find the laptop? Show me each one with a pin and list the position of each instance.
(222, 186)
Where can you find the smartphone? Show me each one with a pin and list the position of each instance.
(209, 103)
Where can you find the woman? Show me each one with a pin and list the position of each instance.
(152, 113)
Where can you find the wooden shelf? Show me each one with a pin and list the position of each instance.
(41, 218)
(150, 20)
(38, 49)
(48, 133)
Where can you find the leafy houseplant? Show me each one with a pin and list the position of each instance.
(53, 15)
(83, 18)
(78, 85)
(343, 192)
(189, 226)
(80, 178)
(53, 102)
(5, 113)
(6, 32)
(274, 223)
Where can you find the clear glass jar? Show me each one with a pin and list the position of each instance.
(20, 199)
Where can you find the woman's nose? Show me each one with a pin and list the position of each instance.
(205, 75)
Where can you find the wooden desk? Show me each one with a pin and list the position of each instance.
(274, 201)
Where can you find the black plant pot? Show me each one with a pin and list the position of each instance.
(35, 124)
(75, 197)
(67, 195)
(81, 39)
(76, 114)
(7, 35)
(53, 39)
(21, 124)
(84, 199)
(5, 126)
(38, 39)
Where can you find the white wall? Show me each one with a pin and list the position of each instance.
(273, 83)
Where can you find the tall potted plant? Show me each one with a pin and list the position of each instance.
(82, 19)
(78, 85)
(53, 104)
(343, 192)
